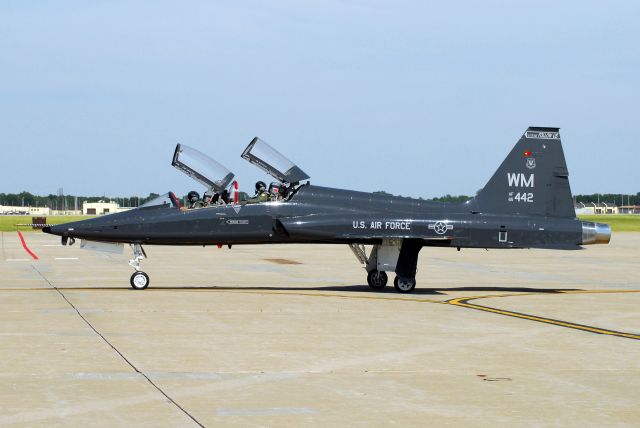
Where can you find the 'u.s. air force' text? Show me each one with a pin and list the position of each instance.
(382, 225)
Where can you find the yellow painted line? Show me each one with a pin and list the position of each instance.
(345, 296)
(463, 302)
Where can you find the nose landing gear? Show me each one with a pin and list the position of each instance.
(139, 280)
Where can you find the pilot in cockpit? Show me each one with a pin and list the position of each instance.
(222, 198)
(277, 191)
(194, 200)
(261, 192)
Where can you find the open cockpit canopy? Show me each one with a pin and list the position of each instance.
(273, 162)
(201, 168)
(168, 200)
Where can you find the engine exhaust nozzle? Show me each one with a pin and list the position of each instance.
(595, 233)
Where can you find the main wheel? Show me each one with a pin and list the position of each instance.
(404, 285)
(377, 279)
(139, 280)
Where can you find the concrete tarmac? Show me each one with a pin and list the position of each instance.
(292, 336)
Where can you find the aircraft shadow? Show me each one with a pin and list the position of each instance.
(367, 289)
(338, 288)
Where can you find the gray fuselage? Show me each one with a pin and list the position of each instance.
(325, 215)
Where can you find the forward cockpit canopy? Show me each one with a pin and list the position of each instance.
(201, 168)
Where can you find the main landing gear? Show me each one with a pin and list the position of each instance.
(377, 279)
(139, 280)
(399, 256)
(404, 285)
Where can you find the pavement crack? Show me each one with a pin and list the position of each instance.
(117, 351)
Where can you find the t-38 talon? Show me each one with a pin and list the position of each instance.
(527, 203)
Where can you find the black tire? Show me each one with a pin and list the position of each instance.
(404, 285)
(139, 280)
(377, 279)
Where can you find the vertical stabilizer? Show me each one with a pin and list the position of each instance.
(532, 180)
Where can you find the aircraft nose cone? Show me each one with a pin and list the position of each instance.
(53, 230)
(66, 229)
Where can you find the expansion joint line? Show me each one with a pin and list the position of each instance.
(116, 349)
(464, 302)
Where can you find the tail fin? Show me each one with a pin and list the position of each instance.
(532, 180)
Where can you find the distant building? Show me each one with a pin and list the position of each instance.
(102, 207)
(99, 208)
(65, 212)
(14, 210)
(596, 209)
(629, 209)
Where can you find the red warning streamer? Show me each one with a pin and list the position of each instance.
(26, 248)
(236, 194)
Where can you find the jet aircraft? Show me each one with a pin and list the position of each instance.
(527, 203)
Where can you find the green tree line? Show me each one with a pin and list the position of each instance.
(52, 201)
(609, 198)
(68, 201)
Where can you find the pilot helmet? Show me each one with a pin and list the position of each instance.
(260, 186)
(207, 197)
(193, 196)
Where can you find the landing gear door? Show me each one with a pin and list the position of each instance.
(273, 162)
(201, 168)
(388, 254)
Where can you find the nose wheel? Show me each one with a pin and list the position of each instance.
(139, 280)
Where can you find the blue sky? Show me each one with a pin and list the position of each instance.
(414, 97)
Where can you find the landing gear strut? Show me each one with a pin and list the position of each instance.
(139, 280)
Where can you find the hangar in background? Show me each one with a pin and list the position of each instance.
(102, 207)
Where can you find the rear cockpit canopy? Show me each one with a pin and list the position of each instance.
(202, 168)
(273, 162)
